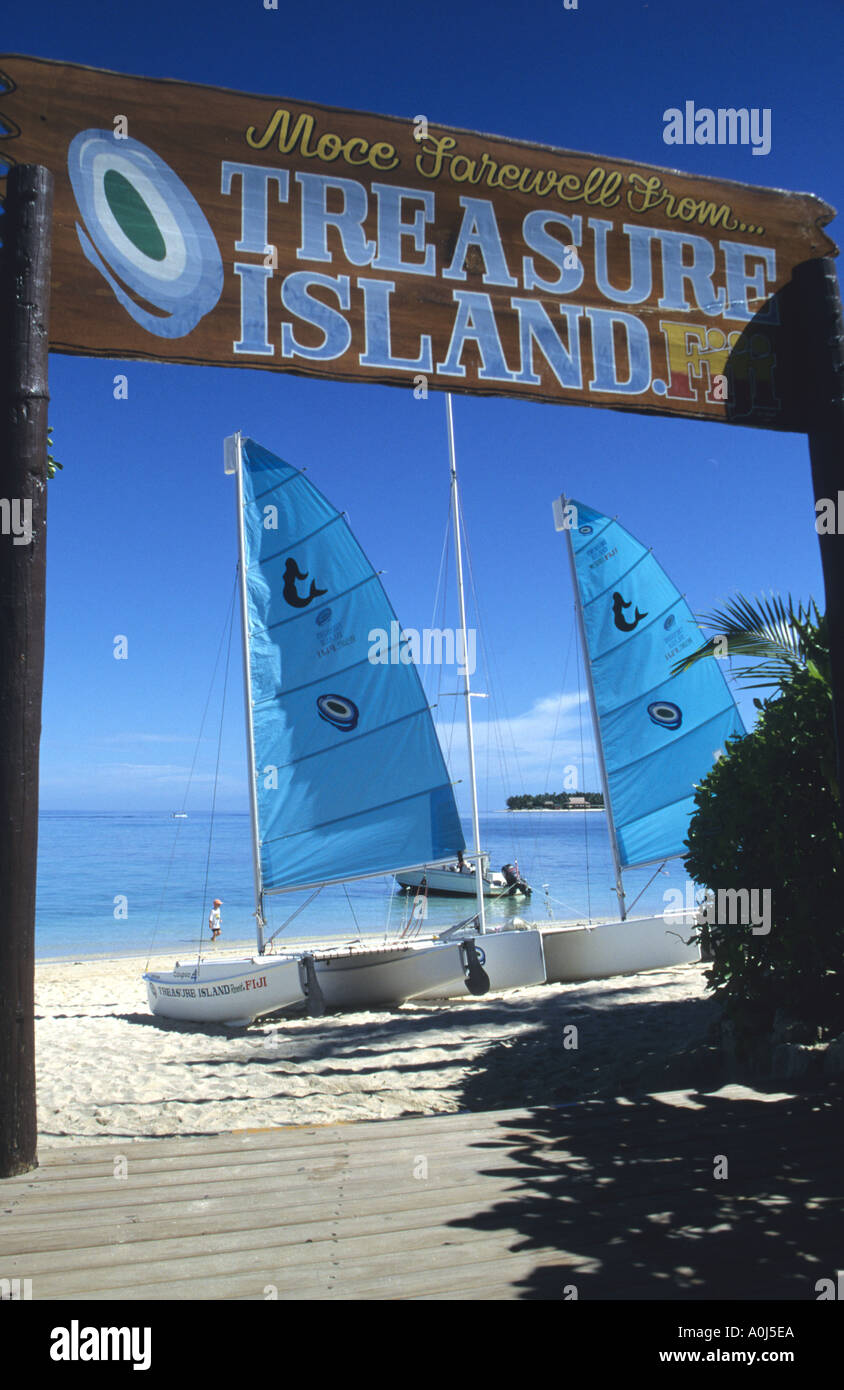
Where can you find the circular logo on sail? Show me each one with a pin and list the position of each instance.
(669, 622)
(585, 530)
(322, 616)
(339, 711)
(144, 232)
(666, 714)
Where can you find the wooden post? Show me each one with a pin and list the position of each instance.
(24, 320)
(817, 307)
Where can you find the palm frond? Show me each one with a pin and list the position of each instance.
(780, 638)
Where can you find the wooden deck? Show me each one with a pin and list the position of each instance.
(617, 1198)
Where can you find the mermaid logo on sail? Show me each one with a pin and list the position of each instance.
(618, 606)
(292, 573)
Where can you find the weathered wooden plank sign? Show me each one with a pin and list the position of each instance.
(195, 224)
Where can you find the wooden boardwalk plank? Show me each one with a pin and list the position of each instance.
(538, 1129)
(337, 1283)
(297, 1249)
(514, 1204)
(52, 1205)
(296, 1216)
(247, 1276)
(306, 1139)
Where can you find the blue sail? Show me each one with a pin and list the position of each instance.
(660, 735)
(350, 777)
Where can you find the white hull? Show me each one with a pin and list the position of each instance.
(510, 959)
(448, 883)
(233, 992)
(362, 977)
(616, 948)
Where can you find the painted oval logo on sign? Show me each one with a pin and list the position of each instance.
(144, 232)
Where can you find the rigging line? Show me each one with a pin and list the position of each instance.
(192, 770)
(352, 910)
(391, 894)
(417, 914)
(216, 776)
(443, 604)
(293, 915)
(648, 884)
(396, 904)
(571, 907)
(539, 816)
(442, 600)
(498, 718)
(441, 574)
(536, 823)
(226, 625)
(479, 629)
(582, 766)
(431, 681)
(405, 917)
(559, 708)
(491, 723)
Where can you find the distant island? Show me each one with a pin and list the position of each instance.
(557, 801)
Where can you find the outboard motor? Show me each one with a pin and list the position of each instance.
(514, 882)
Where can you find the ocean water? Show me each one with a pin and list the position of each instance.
(112, 884)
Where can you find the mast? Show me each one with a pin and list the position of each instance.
(455, 511)
(596, 727)
(234, 464)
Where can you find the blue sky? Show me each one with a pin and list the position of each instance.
(141, 535)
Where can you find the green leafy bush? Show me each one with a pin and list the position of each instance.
(52, 463)
(768, 817)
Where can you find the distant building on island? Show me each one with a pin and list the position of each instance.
(557, 801)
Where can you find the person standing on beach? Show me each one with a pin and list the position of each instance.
(215, 921)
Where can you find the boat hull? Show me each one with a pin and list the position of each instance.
(233, 992)
(510, 959)
(446, 883)
(616, 948)
(383, 976)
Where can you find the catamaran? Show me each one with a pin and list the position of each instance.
(346, 776)
(656, 735)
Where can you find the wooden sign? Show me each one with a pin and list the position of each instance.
(195, 224)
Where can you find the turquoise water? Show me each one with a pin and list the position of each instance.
(129, 884)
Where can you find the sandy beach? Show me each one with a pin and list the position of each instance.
(108, 1071)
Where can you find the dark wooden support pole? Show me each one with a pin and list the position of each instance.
(24, 321)
(817, 306)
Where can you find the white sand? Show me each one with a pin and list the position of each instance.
(107, 1070)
